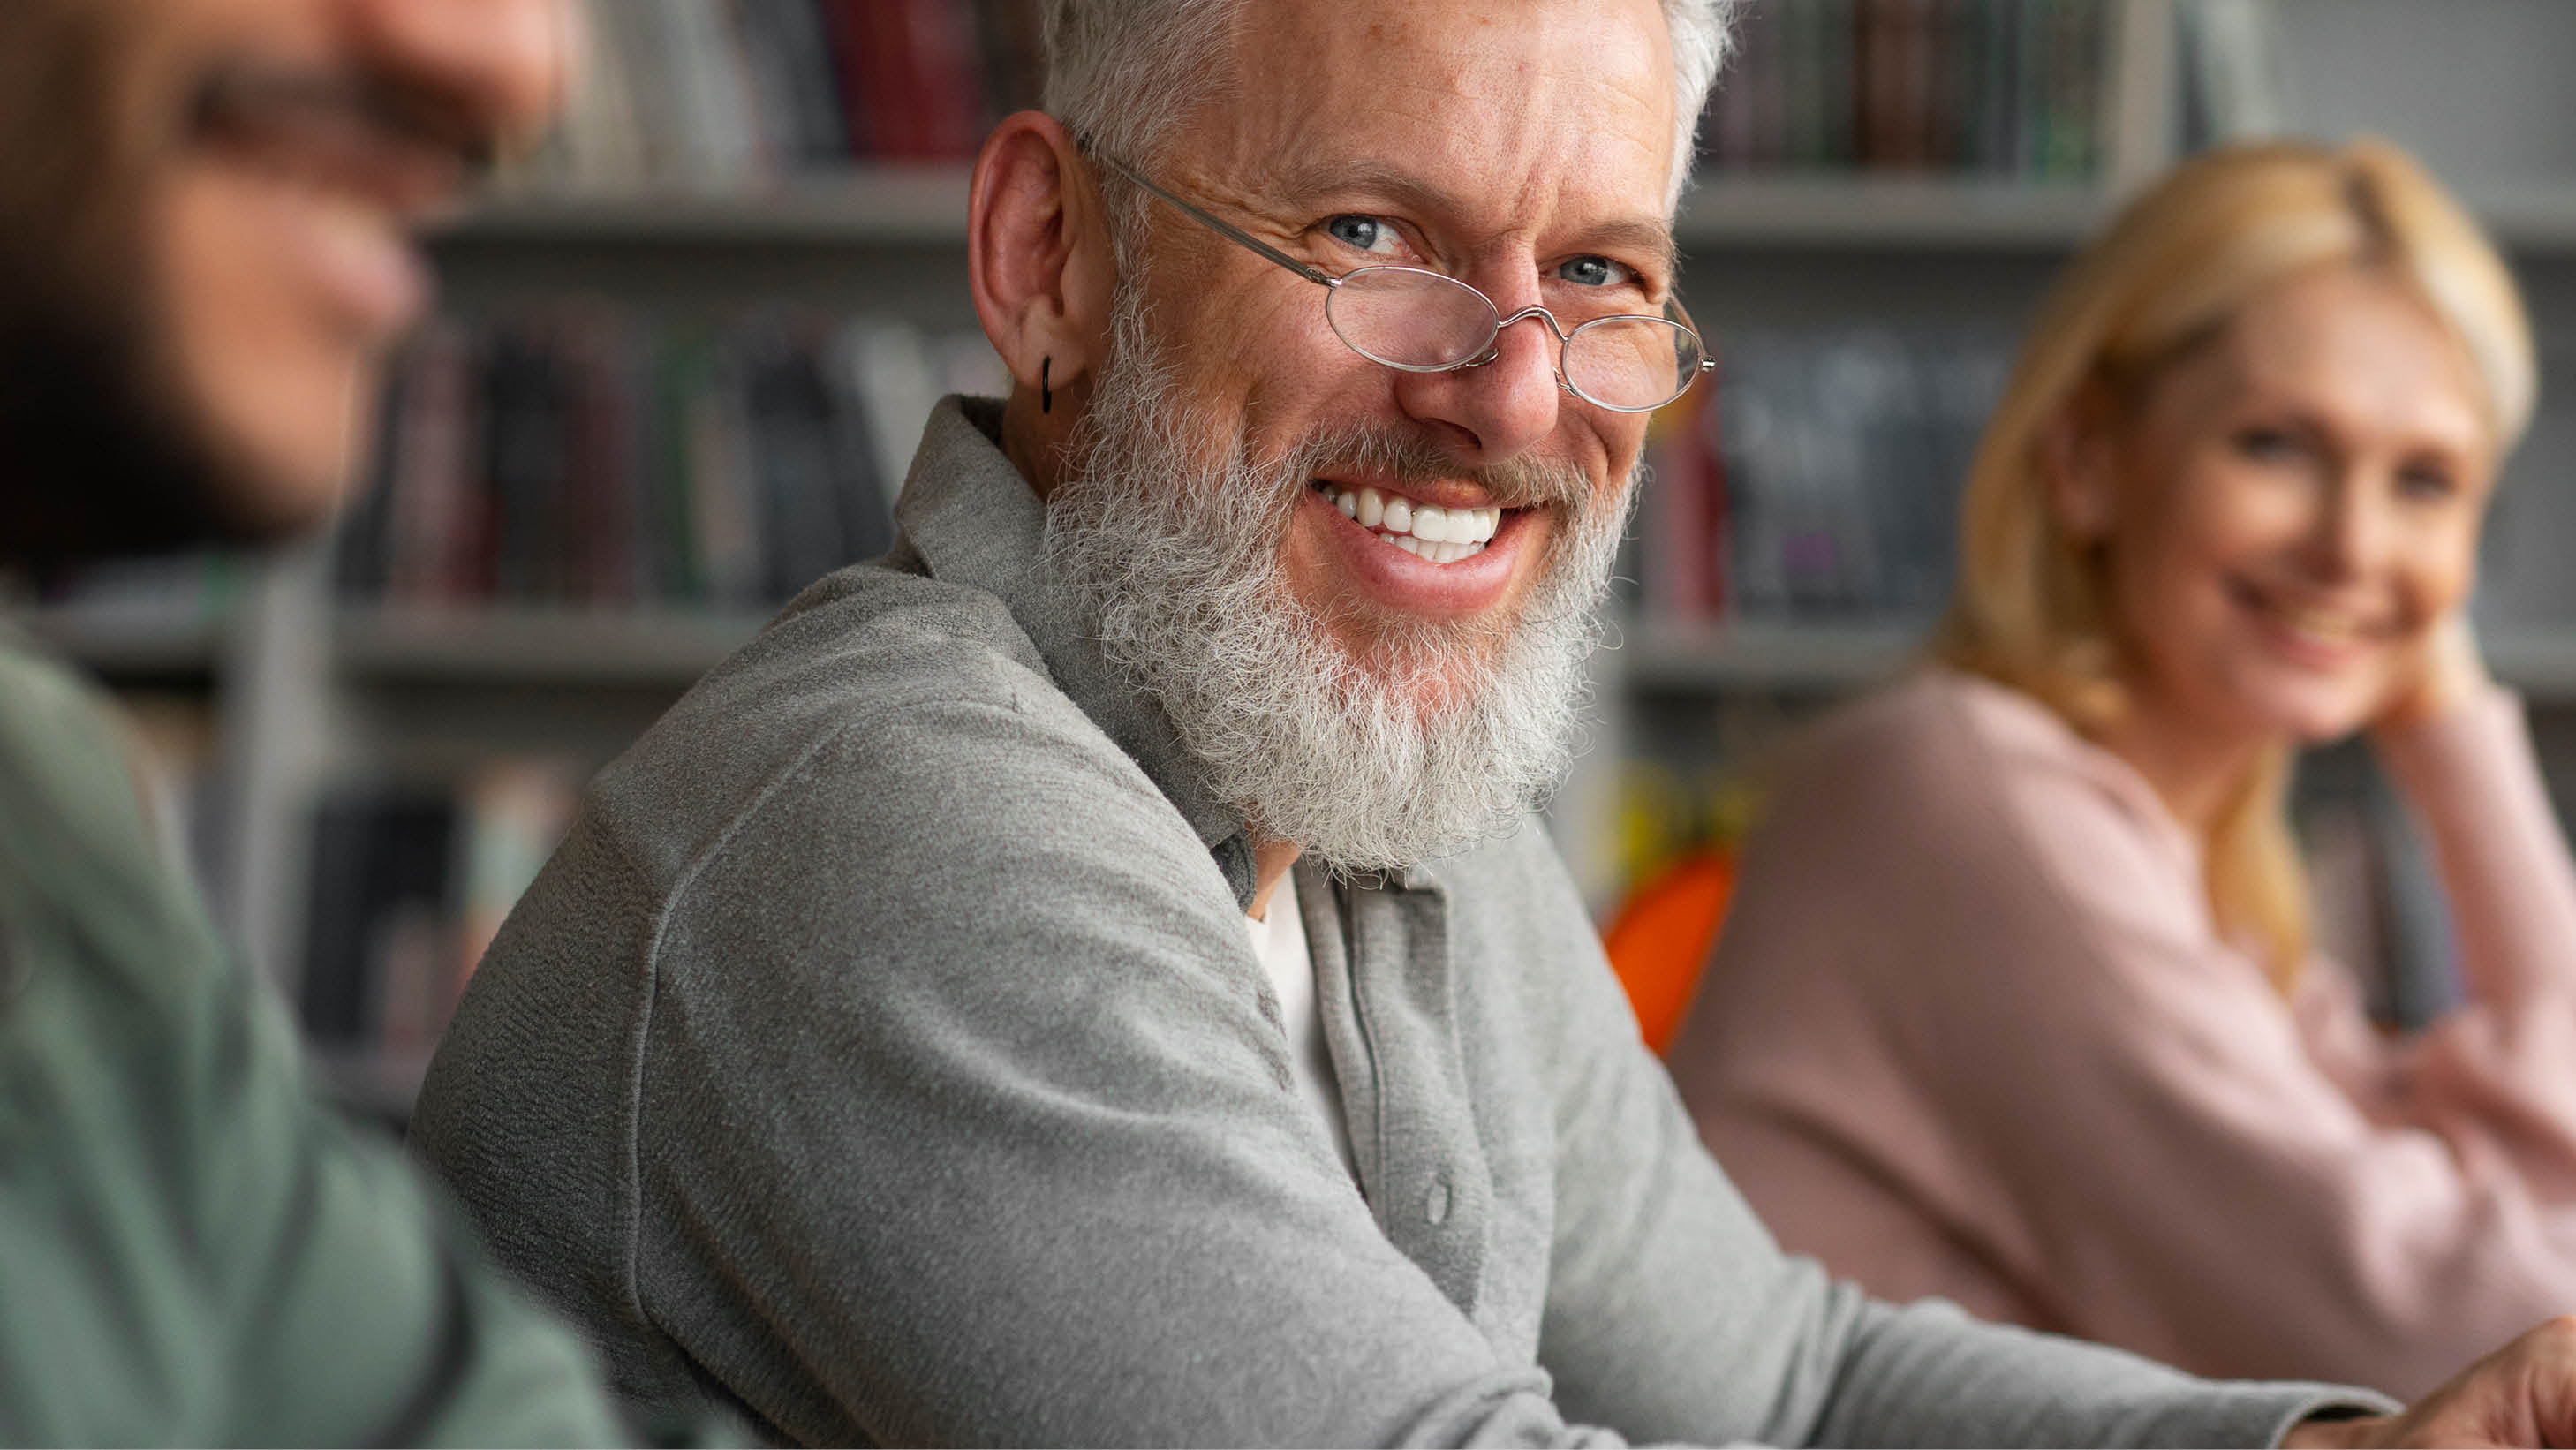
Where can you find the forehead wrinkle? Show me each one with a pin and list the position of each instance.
(1496, 105)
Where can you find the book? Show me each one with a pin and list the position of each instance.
(409, 881)
(2006, 88)
(1819, 478)
(695, 95)
(568, 454)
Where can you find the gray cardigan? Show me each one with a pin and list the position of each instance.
(885, 1053)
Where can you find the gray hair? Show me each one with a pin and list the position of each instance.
(1121, 72)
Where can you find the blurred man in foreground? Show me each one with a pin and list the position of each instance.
(202, 260)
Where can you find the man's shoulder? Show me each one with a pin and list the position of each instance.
(95, 920)
(905, 703)
(73, 822)
(60, 757)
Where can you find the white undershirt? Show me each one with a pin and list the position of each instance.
(1280, 943)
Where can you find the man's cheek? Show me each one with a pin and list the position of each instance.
(265, 382)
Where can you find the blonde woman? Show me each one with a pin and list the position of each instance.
(2017, 1004)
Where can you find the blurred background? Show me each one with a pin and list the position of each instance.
(687, 348)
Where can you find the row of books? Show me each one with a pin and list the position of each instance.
(409, 882)
(693, 94)
(1819, 479)
(573, 455)
(2007, 88)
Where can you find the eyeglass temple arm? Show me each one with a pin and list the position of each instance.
(1231, 233)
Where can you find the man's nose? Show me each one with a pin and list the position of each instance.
(507, 61)
(1494, 410)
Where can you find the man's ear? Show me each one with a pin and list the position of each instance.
(1037, 254)
(2078, 464)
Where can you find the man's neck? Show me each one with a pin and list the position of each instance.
(1034, 438)
(1270, 862)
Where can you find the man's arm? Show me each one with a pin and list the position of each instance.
(192, 1248)
(1674, 1316)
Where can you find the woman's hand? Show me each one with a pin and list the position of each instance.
(2448, 672)
(2523, 1394)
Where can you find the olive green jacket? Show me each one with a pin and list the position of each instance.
(193, 1249)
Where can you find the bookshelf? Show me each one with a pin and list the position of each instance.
(126, 645)
(656, 648)
(876, 206)
(311, 690)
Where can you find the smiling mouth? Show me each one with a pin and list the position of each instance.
(2314, 626)
(1427, 531)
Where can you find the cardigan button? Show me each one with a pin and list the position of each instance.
(1435, 1207)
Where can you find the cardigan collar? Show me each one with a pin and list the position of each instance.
(973, 520)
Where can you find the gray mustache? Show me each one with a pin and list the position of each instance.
(1410, 458)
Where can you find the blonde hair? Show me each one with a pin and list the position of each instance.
(2173, 269)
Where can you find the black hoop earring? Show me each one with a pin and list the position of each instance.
(1046, 395)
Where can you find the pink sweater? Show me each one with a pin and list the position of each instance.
(1970, 1031)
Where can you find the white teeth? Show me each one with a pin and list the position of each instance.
(1441, 535)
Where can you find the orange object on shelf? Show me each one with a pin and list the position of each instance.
(1660, 940)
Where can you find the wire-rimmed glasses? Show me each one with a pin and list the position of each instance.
(1420, 321)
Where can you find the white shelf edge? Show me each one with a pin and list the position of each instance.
(927, 204)
(126, 640)
(2528, 217)
(375, 1082)
(871, 205)
(2536, 660)
(1887, 210)
(1667, 657)
(651, 648)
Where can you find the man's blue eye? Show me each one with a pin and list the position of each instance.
(1591, 272)
(1363, 232)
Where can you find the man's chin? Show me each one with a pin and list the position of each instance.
(257, 505)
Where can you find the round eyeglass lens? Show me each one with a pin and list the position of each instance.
(1633, 364)
(1408, 318)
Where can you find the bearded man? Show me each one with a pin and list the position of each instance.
(202, 261)
(1090, 976)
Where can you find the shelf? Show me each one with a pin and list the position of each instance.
(876, 205)
(1887, 212)
(655, 649)
(377, 1086)
(1690, 658)
(2531, 217)
(2539, 662)
(928, 204)
(128, 641)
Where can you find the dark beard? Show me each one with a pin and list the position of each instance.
(97, 456)
(96, 466)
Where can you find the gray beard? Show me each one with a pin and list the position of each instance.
(1445, 735)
